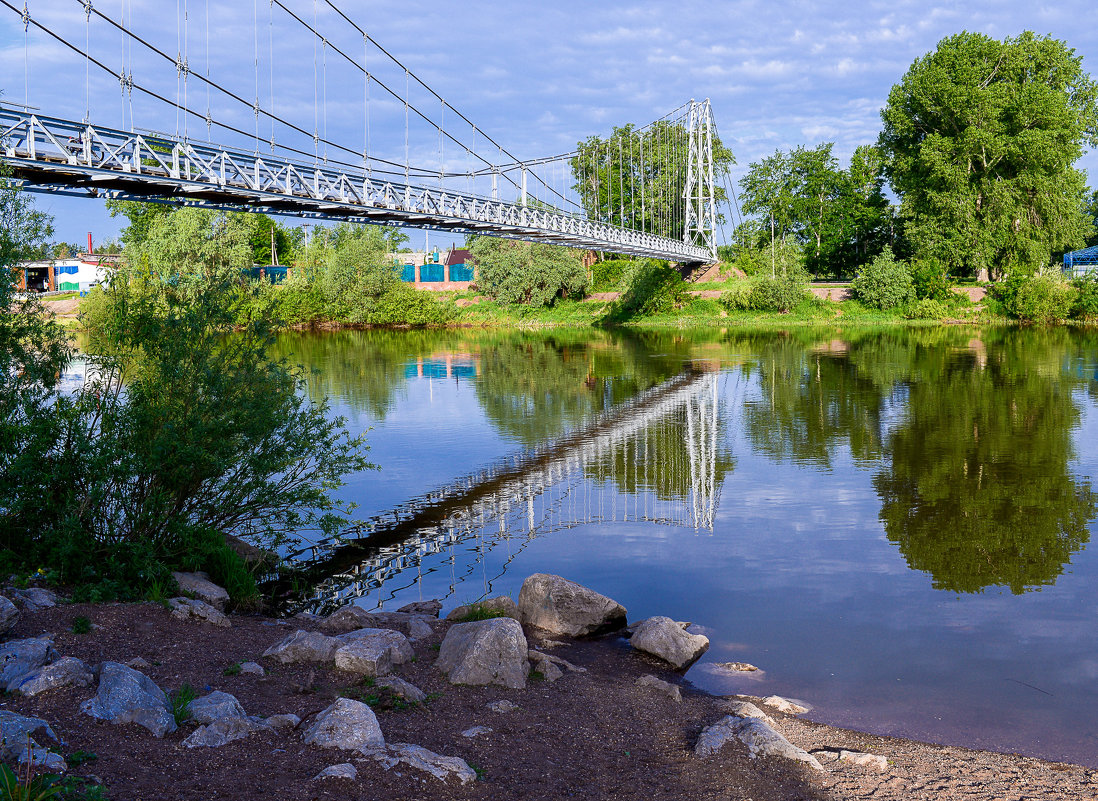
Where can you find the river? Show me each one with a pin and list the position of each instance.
(891, 524)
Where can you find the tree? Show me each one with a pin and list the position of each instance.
(1092, 214)
(512, 271)
(635, 178)
(141, 217)
(980, 137)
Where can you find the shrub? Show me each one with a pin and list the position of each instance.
(402, 304)
(737, 297)
(781, 294)
(930, 280)
(927, 309)
(1034, 298)
(530, 273)
(651, 287)
(1085, 306)
(884, 283)
(607, 275)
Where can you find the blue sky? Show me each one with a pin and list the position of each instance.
(536, 77)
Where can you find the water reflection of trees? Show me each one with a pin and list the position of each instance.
(975, 485)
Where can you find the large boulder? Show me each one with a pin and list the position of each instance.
(14, 731)
(304, 646)
(218, 732)
(409, 692)
(348, 618)
(485, 652)
(20, 657)
(347, 724)
(666, 639)
(9, 615)
(759, 737)
(193, 609)
(441, 767)
(562, 607)
(372, 652)
(65, 672)
(34, 599)
(215, 706)
(126, 696)
(198, 585)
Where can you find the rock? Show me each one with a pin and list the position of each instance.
(562, 607)
(545, 666)
(215, 706)
(347, 724)
(9, 615)
(500, 606)
(35, 599)
(874, 761)
(283, 721)
(14, 731)
(348, 618)
(476, 731)
(191, 609)
(667, 688)
(20, 657)
(736, 667)
(746, 709)
(199, 586)
(441, 767)
(756, 734)
(428, 608)
(304, 646)
(252, 669)
(126, 696)
(666, 639)
(784, 705)
(137, 663)
(43, 758)
(485, 652)
(409, 692)
(224, 730)
(372, 652)
(344, 770)
(65, 672)
(502, 707)
(419, 629)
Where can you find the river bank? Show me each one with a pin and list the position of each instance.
(592, 732)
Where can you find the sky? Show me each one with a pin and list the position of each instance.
(535, 77)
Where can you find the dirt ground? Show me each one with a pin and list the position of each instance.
(593, 735)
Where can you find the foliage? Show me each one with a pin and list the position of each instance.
(650, 287)
(27, 787)
(481, 611)
(606, 275)
(512, 271)
(980, 137)
(927, 309)
(884, 283)
(1034, 298)
(636, 178)
(1085, 305)
(930, 280)
(180, 701)
(780, 293)
(81, 624)
(737, 297)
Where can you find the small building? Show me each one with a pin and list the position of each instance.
(65, 275)
(435, 270)
(1081, 262)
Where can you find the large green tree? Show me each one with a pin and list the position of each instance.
(980, 137)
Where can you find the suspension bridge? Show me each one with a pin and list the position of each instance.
(558, 485)
(647, 191)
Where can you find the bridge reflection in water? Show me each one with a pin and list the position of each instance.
(669, 429)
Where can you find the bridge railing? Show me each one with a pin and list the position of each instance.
(47, 151)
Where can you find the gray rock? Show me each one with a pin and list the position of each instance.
(784, 705)
(35, 599)
(347, 724)
(9, 615)
(215, 706)
(348, 618)
(20, 657)
(222, 731)
(544, 665)
(562, 607)
(736, 667)
(14, 731)
(558, 661)
(441, 767)
(252, 669)
(419, 629)
(746, 709)
(500, 606)
(137, 663)
(672, 691)
(485, 652)
(757, 735)
(502, 707)
(304, 646)
(199, 586)
(283, 721)
(344, 770)
(126, 696)
(874, 761)
(43, 758)
(409, 692)
(664, 638)
(192, 609)
(372, 652)
(428, 608)
(476, 731)
(65, 672)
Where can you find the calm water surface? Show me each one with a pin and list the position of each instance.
(894, 525)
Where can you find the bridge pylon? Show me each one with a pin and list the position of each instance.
(700, 194)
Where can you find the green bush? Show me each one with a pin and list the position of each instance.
(927, 309)
(884, 283)
(651, 287)
(737, 297)
(1085, 306)
(402, 304)
(781, 294)
(930, 280)
(1034, 298)
(606, 275)
(510, 271)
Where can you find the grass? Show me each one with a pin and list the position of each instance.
(232, 670)
(180, 701)
(481, 612)
(81, 625)
(77, 758)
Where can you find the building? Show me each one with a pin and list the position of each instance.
(435, 270)
(1081, 262)
(65, 275)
